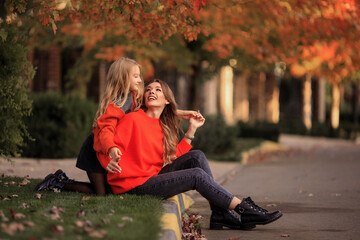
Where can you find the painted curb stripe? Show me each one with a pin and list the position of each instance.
(172, 218)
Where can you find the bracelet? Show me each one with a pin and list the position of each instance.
(189, 137)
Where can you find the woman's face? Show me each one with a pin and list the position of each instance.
(154, 96)
(135, 79)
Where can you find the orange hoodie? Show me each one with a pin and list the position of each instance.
(105, 129)
(140, 139)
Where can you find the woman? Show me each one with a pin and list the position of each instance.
(147, 139)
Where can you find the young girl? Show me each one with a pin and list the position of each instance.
(148, 140)
(123, 94)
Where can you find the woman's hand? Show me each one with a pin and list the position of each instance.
(196, 122)
(113, 166)
(115, 153)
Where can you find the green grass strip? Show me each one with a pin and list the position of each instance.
(69, 215)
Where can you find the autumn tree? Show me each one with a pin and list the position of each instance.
(313, 38)
(105, 30)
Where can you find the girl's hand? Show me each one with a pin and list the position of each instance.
(115, 153)
(113, 166)
(186, 114)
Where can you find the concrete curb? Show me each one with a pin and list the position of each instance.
(265, 147)
(172, 219)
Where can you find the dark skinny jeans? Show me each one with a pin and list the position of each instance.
(190, 171)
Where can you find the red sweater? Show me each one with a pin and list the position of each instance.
(105, 129)
(140, 139)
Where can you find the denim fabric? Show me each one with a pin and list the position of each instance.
(190, 171)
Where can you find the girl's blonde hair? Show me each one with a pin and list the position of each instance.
(170, 123)
(117, 86)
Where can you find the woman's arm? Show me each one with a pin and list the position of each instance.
(187, 114)
(194, 124)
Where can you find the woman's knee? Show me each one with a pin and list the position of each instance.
(198, 156)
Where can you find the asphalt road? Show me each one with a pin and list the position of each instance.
(316, 185)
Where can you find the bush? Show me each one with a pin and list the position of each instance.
(260, 130)
(59, 125)
(292, 126)
(215, 137)
(15, 105)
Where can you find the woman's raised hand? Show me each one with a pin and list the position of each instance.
(197, 121)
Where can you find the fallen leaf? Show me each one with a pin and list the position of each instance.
(310, 195)
(112, 211)
(37, 195)
(94, 233)
(126, 218)
(11, 228)
(15, 215)
(57, 229)
(15, 196)
(12, 182)
(121, 225)
(85, 198)
(285, 235)
(23, 205)
(105, 220)
(271, 205)
(24, 182)
(81, 213)
(336, 194)
(29, 224)
(56, 210)
(3, 217)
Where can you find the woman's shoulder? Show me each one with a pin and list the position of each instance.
(135, 115)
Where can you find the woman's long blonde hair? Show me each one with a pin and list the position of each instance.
(117, 86)
(170, 123)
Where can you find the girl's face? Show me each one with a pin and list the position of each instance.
(154, 96)
(135, 79)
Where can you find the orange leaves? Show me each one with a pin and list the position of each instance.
(149, 20)
(111, 53)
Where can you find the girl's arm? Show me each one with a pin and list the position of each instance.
(105, 130)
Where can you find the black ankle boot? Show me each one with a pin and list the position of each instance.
(53, 181)
(253, 214)
(226, 218)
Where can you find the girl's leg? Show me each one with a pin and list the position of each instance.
(169, 184)
(98, 182)
(80, 187)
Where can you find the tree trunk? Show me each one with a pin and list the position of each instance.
(272, 98)
(355, 102)
(210, 90)
(226, 94)
(335, 106)
(307, 101)
(102, 78)
(261, 96)
(241, 99)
